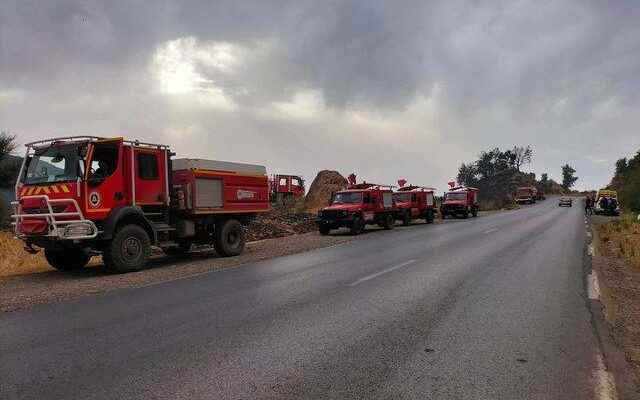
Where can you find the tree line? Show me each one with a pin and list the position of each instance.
(626, 181)
(497, 173)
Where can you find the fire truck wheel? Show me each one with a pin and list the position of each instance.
(324, 230)
(357, 226)
(129, 249)
(67, 260)
(474, 212)
(406, 219)
(229, 238)
(389, 222)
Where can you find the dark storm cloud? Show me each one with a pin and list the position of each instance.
(501, 73)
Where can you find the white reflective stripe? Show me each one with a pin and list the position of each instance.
(385, 271)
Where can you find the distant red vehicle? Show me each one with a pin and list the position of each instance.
(414, 202)
(526, 195)
(460, 202)
(357, 206)
(285, 188)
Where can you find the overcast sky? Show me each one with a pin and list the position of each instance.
(386, 89)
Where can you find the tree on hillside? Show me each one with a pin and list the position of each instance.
(521, 156)
(568, 177)
(544, 180)
(627, 182)
(496, 174)
(468, 175)
(7, 144)
(545, 183)
(8, 168)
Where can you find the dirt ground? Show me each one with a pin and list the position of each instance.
(616, 263)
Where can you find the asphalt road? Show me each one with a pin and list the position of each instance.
(487, 308)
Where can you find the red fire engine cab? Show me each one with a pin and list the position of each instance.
(460, 202)
(85, 195)
(414, 202)
(358, 205)
(285, 189)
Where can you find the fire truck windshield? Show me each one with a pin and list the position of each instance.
(54, 164)
(348, 198)
(402, 197)
(455, 196)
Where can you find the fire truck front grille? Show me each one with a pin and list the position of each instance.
(332, 214)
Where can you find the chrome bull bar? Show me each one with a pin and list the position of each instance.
(68, 229)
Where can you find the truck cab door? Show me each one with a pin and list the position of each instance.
(150, 169)
(103, 178)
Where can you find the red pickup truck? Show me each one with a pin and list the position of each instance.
(414, 202)
(357, 206)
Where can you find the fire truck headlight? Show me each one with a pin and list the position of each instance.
(77, 230)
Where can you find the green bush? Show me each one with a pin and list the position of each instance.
(4, 214)
(627, 182)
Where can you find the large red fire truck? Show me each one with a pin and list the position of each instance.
(414, 202)
(84, 195)
(358, 205)
(460, 202)
(285, 189)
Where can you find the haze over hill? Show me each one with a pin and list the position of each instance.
(383, 89)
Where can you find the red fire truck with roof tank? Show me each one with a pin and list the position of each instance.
(460, 202)
(526, 195)
(84, 195)
(358, 205)
(414, 202)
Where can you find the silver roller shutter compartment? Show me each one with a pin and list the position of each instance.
(387, 200)
(208, 193)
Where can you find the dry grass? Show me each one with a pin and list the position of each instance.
(15, 261)
(625, 233)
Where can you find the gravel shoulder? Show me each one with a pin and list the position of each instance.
(619, 292)
(23, 291)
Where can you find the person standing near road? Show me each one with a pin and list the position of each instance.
(588, 206)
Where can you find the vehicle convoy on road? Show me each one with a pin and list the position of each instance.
(85, 195)
(414, 202)
(357, 206)
(285, 189)
(606, 203)
(526, 195)
(460, 202)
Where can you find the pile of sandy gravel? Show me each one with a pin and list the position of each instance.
(325, 183)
